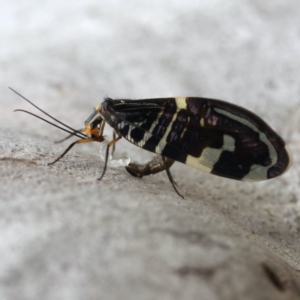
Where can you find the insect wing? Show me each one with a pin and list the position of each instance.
(211, 135)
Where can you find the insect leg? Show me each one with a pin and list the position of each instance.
(114, 145)
(154, 166)
(111, 143)
(170, 177)
(72, 145)
(157, 164)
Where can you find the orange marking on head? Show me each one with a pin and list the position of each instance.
(91, 132)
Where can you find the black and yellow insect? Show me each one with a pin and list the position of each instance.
(211, 135)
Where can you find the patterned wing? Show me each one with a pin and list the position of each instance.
(211, 135)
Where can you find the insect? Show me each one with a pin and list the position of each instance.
(210, 135)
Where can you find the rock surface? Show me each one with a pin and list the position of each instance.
(65, 235)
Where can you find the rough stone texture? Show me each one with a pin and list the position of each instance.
(65, 235)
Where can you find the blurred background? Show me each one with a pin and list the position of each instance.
(67, 56)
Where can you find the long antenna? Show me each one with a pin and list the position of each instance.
(30, 113)
(74, 131)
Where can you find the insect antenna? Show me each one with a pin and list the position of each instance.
(66, 138)
(73, 130)
(71, 133)
(84, 139)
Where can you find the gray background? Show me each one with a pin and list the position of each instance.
(64, 235)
